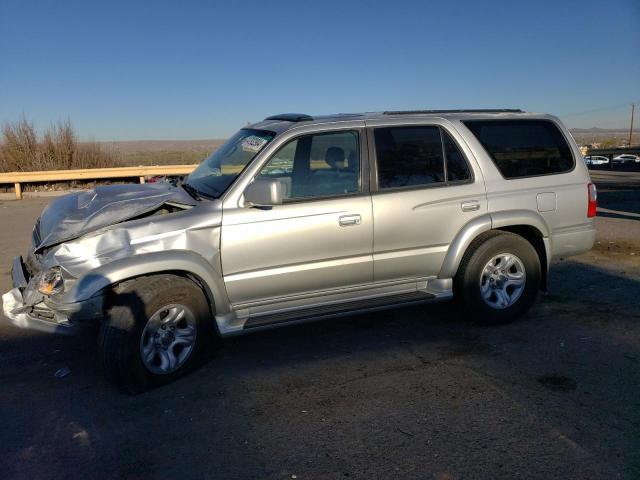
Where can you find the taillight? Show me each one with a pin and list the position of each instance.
(593, 200)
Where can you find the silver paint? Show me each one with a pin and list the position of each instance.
(168, 339)
(502, 281)
(77, 214)
(260, 261)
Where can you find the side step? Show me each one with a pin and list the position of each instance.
(335, 310)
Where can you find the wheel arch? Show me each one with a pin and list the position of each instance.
(182, 263)
(535, 238)
(457, 248)
(527, 224)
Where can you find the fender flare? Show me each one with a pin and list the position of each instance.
(461, 242)
(117, 271)
(483, 223)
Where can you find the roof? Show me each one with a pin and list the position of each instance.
(285, 121)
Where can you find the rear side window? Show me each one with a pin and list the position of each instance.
(523, 148)
(457, 168)
(417, 156)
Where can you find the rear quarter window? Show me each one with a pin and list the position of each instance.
(524, 148)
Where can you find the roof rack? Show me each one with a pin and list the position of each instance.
(291, 117)
(477, 110)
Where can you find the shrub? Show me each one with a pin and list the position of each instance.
(59, 149)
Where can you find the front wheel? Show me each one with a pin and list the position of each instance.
(498, 278)
(155, 329)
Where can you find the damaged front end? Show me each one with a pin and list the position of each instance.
(36, 301)
(78, 235)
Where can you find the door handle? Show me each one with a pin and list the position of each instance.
(346, 220)
(470, 206)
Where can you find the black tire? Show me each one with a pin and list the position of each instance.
(129, 307)
(467, 280)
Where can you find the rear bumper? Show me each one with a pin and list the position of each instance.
(45, 315)
(574, 240)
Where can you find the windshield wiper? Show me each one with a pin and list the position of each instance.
(191, 191)
(199, 194)
(217, 192)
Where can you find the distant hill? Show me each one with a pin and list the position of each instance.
(597, 135)
(165, 152)
(164, 145)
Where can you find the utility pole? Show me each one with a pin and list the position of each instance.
(633, 107)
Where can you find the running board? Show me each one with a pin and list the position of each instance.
(340, 309)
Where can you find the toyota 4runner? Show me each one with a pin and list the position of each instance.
(299, 218)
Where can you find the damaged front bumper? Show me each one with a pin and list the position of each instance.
(34, 312)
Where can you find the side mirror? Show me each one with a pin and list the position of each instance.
(263, 192)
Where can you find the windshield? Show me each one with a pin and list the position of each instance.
(214, 175)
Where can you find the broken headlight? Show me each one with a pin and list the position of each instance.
(51, 282)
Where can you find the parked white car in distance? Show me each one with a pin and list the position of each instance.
(626, 158)
(596, 160)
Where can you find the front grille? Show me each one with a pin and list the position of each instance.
(43, 314)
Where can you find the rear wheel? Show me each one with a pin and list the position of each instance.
(498, 278)
(155, 330)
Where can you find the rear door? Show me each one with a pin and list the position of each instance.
(425, 187)
(319, 240)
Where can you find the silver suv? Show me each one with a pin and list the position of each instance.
(298, 218)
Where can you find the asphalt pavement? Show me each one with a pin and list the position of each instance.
(411, 393)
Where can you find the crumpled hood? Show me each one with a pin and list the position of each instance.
(76, 214)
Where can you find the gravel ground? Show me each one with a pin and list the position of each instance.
(411, 393)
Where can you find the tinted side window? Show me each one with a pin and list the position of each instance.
(409, 156)
(457, 167)
(523, 148)
(318, 165)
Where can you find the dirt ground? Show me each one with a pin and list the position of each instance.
(410, 393)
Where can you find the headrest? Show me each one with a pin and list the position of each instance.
(333, 156)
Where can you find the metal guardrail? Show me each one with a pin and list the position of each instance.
(635, 150)
(18, 178)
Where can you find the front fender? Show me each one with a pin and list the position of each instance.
(151, 263)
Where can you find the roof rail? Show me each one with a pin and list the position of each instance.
(476, 110)
(291, 117)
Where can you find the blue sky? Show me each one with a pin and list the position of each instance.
(191, 69)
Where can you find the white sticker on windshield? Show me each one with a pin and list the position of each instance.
(253, 143)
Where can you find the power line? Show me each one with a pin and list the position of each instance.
(633, 109)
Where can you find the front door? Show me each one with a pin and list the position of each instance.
(320, 238)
